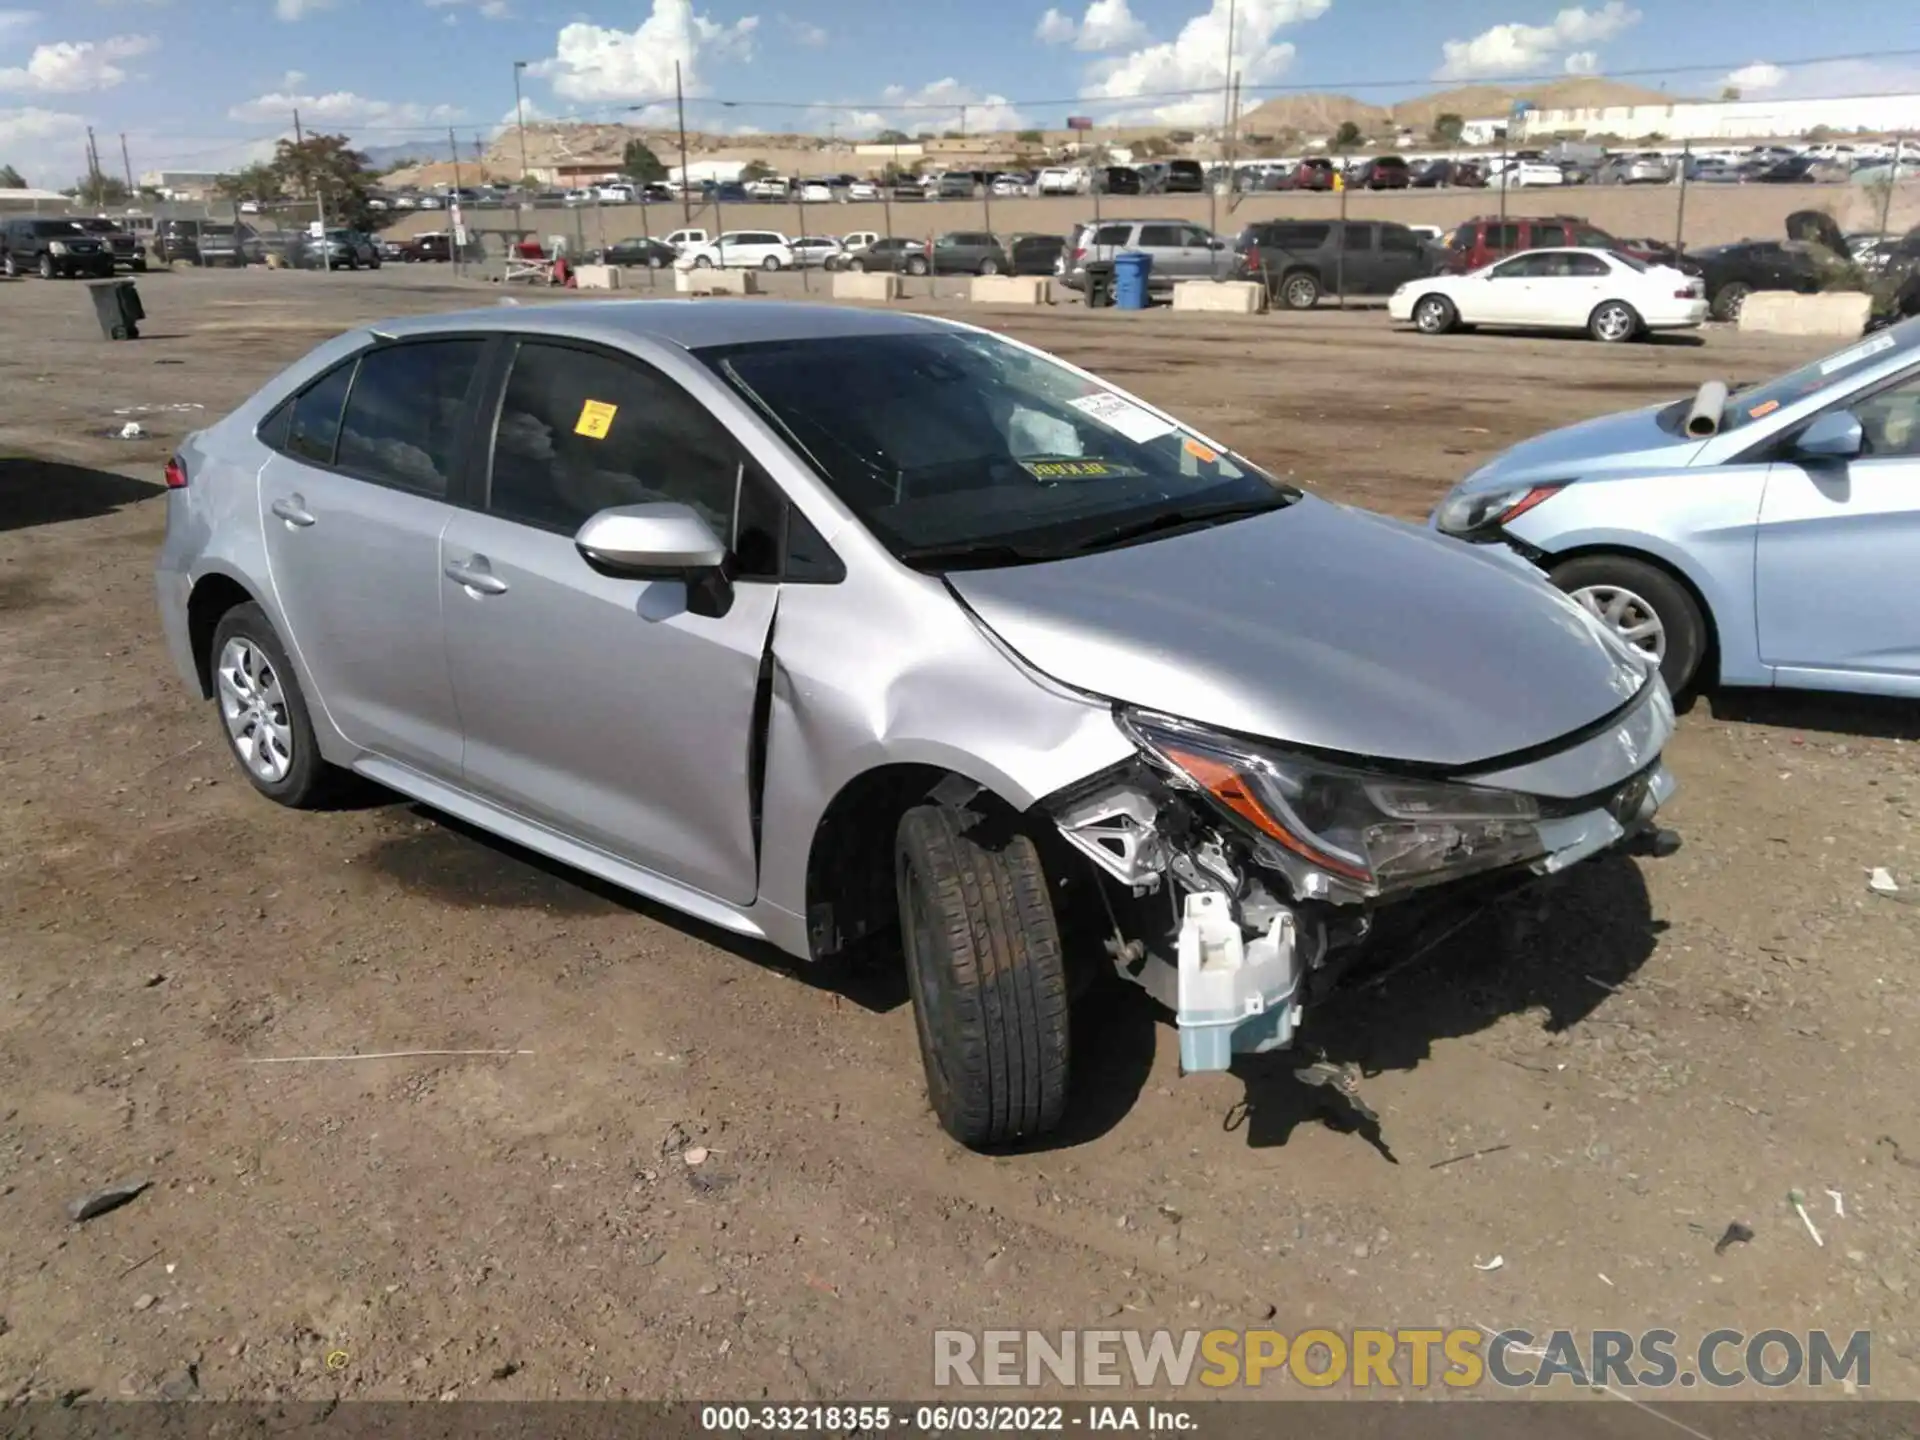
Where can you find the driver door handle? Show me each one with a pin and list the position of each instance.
(293, 510)
(476, 575)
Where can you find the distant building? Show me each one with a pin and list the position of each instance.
(181, 184)
(1483, 132)
(1728, 119)
(699, 172)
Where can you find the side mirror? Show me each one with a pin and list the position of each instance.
(665, 540)
(1835, 435)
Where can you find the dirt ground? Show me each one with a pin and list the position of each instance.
(1661, 1046)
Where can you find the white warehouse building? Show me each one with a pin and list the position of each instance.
(1729, 119)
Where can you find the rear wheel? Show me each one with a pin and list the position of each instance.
(772, 262)
(1435, 315)
(856, 264)
(987, 975)
(701, 262)
(1614, 322)
(262, 710)
(1300, 291)
(1643, 606)
(1730, 299)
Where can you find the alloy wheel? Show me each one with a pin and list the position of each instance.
(1628, 616)
(255, 710)
(1431, 317)
(1614, 322)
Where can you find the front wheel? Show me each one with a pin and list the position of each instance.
(916, 266)
(857, 266)
(986, 972)
(701, 262)
(46, 267)
(1435, 315)
(772, 262)
(1645, 607)
(262, 710)
(1614, 322)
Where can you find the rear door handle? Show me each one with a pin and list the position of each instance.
(293, 510)
(476, 575)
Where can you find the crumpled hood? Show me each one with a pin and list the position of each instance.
(1628, 441)
(1320, 626)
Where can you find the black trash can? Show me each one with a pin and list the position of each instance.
(1099, 284)
(116, 304)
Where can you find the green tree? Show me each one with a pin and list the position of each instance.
(326, 168)
(1031, 137)
(1447, 129)
(10, 179)
(255, 182)
(755, 170)
(891, 137)
(1347, 136)
(1729, 92)
(639, 164)
(100, 189)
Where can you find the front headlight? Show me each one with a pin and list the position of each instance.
(1369, 831)
(1476, 514)
(56, 247)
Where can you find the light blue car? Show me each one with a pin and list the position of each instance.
(1770, 537)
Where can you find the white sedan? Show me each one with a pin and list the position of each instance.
(863, 190)
(1613, 297)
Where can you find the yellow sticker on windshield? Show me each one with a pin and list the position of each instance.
(1076, 469)
(596, 419)
(1200, 452)
(1766, 409)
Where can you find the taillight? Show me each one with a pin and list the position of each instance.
(176, 474)
(1251, 257)
(1687, 294)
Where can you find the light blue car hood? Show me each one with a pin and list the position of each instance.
(1630, 441)
(1321, 626)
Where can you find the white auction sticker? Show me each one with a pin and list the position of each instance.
(1123, 415)
(1866, 348)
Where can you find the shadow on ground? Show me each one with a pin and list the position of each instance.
(46, 492)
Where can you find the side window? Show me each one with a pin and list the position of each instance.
(1396, 240)
(1196, 238)
(1587, 265)
(1521, 267)
(1463, 238)
(1162, 237)
(314, 423)
(1549, 235)
(1113, 235)
(1891, 421)
(1503, 237)
(1357, 237)
(404, 414)
(581, 431)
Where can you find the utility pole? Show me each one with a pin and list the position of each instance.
(319, 188)
(686, 180)
(963, 122)
(93, 168)
(459, 236)
(126, 163)
(520, 123)
(1226, 128)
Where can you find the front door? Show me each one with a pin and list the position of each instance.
(1499, 295)
(599, 706)
(353, 504)
(1837, 588)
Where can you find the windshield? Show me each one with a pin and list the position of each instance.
(56, 227)
(1759, 401)
(945, 444)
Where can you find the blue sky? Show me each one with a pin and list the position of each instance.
(208, 83)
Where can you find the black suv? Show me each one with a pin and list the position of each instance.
(53, 247)
(1300, 260)
(124, 244)
(202, 242)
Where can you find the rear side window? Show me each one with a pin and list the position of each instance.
(1587, 265)
(1503, 237)
(1166, 237)
(314, 423)
(1295, 237)
(1358, 237)
(1549, 235)
(403, 417)
(1113, 235)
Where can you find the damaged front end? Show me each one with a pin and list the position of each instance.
(1242, 876)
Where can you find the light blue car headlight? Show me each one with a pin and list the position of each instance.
(1478, 514)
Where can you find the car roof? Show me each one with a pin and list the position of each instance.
(691, 324)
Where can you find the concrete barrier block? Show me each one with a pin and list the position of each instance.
(597, 277)
(1840, 313)
(1010, 290)
(1233, 297)
(855, 285)
(716, 282)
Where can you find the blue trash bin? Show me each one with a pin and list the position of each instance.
(1130, 271)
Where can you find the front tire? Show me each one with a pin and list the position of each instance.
(988, 978)
(46, 267)
(1435, 315)
(263, 713)
(916, 266)
(1614, 322)
(1645, 607)
(771, 263)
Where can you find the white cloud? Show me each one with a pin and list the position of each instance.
(1582, 62)
(1196, 59)
(804, 32)
(67, 67)
(41, 144)
(293, 79)
(341, 107)
(594, 62)
(1517, 49)
(291, 10)
(943, 105)
(1758, 76)
(1106, 25)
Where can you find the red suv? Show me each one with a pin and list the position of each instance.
(1311, 175)
(1489, 238)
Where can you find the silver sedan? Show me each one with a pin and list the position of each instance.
(848, 629)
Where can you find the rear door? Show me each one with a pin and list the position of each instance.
(1166, 243)
(1358, 272)
(1402, 257)
(353, 504)
(1836, 586)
